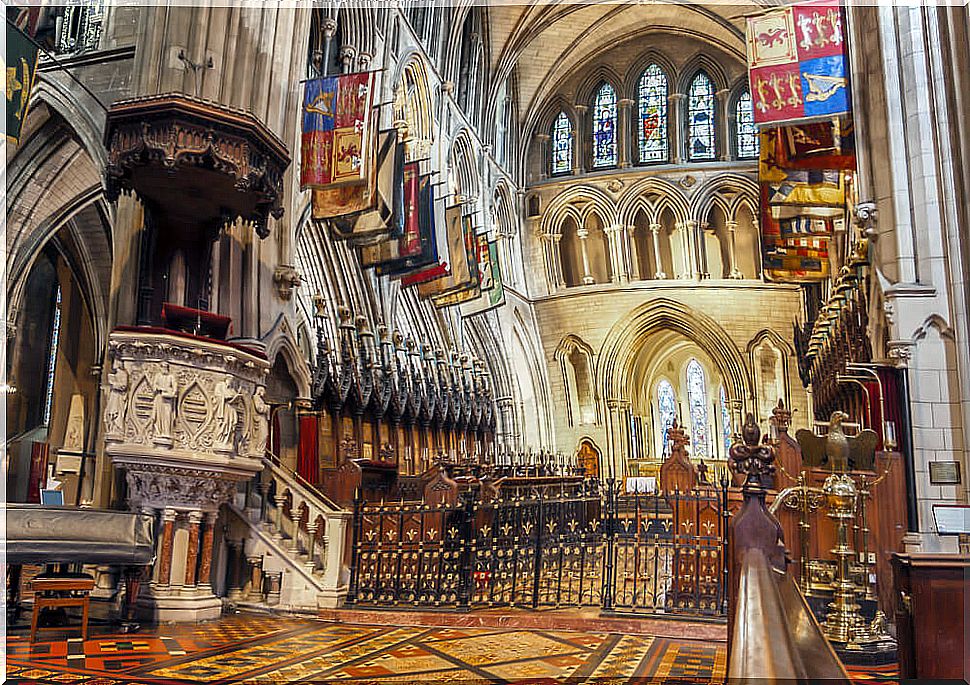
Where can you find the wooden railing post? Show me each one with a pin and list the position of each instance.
(753, 527)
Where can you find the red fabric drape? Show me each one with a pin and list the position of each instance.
(308, 459)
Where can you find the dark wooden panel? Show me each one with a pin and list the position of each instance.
(930, 606)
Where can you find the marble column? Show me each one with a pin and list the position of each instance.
(732, 229)
(583, 235)
(165, 552)
(625, 140)
(192, 554)
(723, 120)
(655, 233)
(675, 119)
(208, 534)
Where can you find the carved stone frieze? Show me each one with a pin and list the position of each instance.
(192, 398)
(158, 486)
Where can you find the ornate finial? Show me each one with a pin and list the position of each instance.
(319, 305)
(781, 417)
(398, 340)
(383, 334)
(677, 436)
(344, 315)
(361, 324)
(750, 458)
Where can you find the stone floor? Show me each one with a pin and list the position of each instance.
(264, 648)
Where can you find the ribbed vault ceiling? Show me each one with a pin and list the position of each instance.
(547, 41)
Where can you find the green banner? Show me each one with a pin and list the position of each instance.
(21, 63)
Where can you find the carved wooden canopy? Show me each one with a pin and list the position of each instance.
(198, 161)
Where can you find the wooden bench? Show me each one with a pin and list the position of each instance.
(61, 591)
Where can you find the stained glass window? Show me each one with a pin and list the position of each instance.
(725, 422)
(562, 145)
(653, 115)
(747, 133)
(52, 358)
(667, 410)
(604, 127)
(700, 119)
(697, 401)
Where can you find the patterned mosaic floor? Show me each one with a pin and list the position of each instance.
(271, 649)
(257, 648)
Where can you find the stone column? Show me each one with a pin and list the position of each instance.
(545, 154)
(732, 228)
(690, 247)
(208, 533)
(311, 529)
(192, 554)
(234, 561)
(280, 514)
(685, 230)
(583, 234)
(655, 232)
(255, 578)
(553, 261)
(675, 125)
(165, 552)
(701, 246)
(614, 236)
(335, 576)
(579, 140)
(722, 122)
(625, 139)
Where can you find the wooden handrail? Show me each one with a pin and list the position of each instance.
(772, 634)
(776, 637)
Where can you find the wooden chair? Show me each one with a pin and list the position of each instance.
(61, 591)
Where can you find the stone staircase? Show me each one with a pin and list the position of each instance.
(294, 533)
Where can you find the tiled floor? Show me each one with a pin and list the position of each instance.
(244, 647)
(259, 648)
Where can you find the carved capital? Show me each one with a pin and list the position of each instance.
(170, 488)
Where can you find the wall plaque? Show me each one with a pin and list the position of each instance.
(952, 519)
(945, 472)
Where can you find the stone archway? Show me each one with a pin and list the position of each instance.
(635, 348)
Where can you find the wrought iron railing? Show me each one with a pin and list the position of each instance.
(584, 545)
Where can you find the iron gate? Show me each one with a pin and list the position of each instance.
(659, 553)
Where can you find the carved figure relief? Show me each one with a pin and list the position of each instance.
(184, 396)
(226, 416)
(165, 386)
(114, 411)
(260, 422)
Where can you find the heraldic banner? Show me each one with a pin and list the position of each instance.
(797, 63)
(21, 64)
(337, 130)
